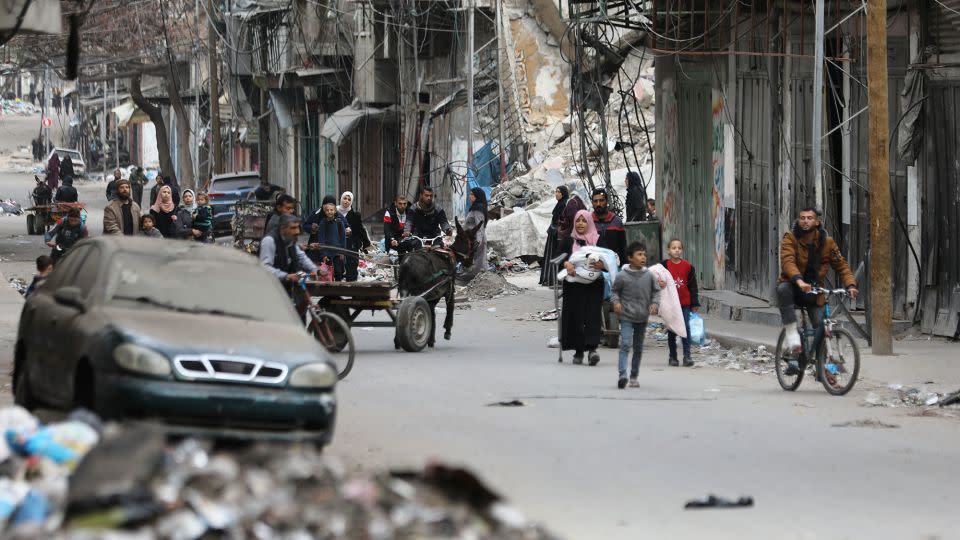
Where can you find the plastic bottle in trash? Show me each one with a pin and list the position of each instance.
(832, 368)
(40, 444)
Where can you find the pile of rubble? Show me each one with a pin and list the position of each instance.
(79, 479)
(521, 192)
(487, 286)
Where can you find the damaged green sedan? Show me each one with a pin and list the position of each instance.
(197, 336)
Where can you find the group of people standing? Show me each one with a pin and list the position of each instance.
(186, 216)
(337, 235)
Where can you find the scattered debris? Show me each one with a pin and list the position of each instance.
(712, 501)
(548, 315)
(487, 286)
(19, 284)
(138, 480)
(511, 403)
(950, 399)
(867, 424)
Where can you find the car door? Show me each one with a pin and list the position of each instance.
(63, 322)
(44, 319)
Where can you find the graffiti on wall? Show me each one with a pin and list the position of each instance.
(717, 159)
(668, 176)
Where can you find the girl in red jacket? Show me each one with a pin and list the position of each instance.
(686, 279)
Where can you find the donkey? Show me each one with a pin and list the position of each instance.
(430, 272)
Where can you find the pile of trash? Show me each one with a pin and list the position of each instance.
(758, 361)
(80, 479)
(487, 286)
(18, 107)
(20, 285)
(898, 395)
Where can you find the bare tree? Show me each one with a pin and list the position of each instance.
(156, 116)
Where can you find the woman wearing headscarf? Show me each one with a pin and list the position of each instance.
(636, 198)
(185, 212)
(357, 238)
(330, 230)
(53, 172)
(574, 205)
(164, 212)
(582, 293)
(548, 272)
(476, 223)
(66, 167)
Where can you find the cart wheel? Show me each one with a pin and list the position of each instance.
(414, 323)
(32, 224)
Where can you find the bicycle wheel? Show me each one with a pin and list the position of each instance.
(334, 334)
(781, 357)
(839, 370)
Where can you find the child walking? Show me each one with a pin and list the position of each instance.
(635, 296)
(44, 267)
(686, 279)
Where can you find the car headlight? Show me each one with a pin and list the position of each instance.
(319, 375)
(141, 360)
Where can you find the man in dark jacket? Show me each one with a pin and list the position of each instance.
(137, 181)
(427, 220)
(112, 185)
(396, 226)
(285, 206)
(66, 193)
(65, 234)
(612, 234)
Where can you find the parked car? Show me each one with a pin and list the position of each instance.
(190, 334)
(224, 192)
(79, 167)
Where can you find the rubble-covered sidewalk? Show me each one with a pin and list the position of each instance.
(79, 479)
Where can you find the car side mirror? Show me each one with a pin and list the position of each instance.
(70, 296)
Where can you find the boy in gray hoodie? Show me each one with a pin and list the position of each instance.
(635, 296)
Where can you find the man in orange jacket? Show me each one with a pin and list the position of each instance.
(806, 254)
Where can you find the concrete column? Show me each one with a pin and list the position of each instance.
(787, 161)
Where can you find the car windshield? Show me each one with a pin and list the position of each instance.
(235, 184)
(74, 156)
(217, 287)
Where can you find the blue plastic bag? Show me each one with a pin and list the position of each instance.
(696, 329)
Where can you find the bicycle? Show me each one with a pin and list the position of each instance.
(329, 329)
(837, 355)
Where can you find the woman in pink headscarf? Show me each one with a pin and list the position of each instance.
(582, 294)
(164, 212)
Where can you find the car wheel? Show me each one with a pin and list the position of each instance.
(83, 389)
(22, 394)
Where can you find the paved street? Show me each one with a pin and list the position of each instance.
(592, 461)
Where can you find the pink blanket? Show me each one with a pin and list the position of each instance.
(670, 310)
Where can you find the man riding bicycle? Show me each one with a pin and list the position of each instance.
(281, 255)
(806, 254)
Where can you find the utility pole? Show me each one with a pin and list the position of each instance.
(880, 290)
(263, 122)
(103, 132)
(116, 128)
(501, 106)
(470, 112)
(818, 106)
(215, 155)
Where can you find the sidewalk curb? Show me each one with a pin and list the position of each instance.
(734, 341)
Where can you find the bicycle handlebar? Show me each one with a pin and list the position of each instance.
(821, 290)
